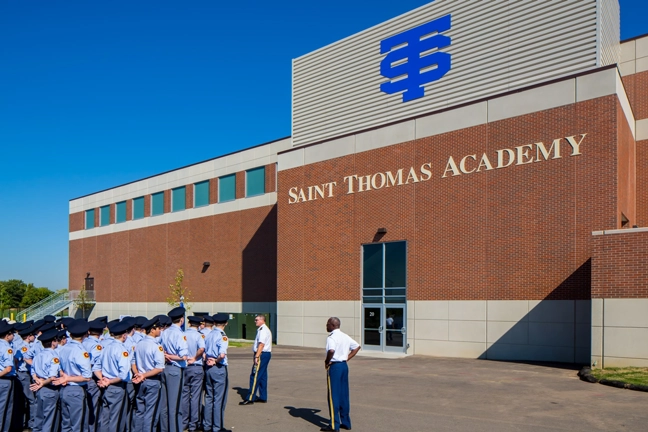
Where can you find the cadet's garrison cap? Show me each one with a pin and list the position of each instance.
(49, 318)
(97, 326)
(176, 313)
(78, 327)
(47, 327)
(48, 335)
(119, 328)
(149, 324)
(139, 321)
(5, 328)
(208, 319)
(195, 320)
(221, 318)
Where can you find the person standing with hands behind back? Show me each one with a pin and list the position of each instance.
(340, 348)
(262, 353)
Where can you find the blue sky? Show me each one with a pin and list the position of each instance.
(96, 94)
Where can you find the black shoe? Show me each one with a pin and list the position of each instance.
(261, 401)
(345, 427)
(328, 429)
(246, 402)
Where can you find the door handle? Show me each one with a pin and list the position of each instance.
(403, 330)
(380, 329)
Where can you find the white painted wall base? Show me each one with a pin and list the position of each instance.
(620, 332)
(548, 330)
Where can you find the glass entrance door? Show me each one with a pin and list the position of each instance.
(384, 296)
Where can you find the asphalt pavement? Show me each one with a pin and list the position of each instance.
(420, 393)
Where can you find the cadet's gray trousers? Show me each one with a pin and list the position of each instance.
(114, 397)
(46, 402)
(173, 376)
(191, 397)
(25, 382)
(92, 400)
(216, 383)
(73, 408)
(6, 403)
(148, 397)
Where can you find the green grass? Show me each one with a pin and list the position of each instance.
(630, 375)
(240, 344)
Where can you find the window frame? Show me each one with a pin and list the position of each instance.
(153, 195)
(195, 195)
(220, 200)
(173, 199)
(135, 206)
(117, 212)
(247, 183)
(101, 215)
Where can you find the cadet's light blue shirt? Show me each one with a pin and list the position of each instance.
(75, 361)
(137, 337)
(116, 361)
(216, 344)
(7, 357)
(94, 348)
(206, 331)
(35, 348)
(149, 355)
(20, 348)
(46, 364)
(195, 341)
(174, 342)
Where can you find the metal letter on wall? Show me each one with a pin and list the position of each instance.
(415, 60)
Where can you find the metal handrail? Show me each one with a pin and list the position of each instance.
(46, 301)
(54, 303)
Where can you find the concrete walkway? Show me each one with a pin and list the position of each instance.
(431, 394)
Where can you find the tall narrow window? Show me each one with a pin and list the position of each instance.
(104, 216)
(89, 218)
(227, 188)
(178, 199)
(201, 194)
(157, 204)
(120, 212)
(138, 208)
(255, 181)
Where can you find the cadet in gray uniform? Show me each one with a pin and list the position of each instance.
(116, 373)
(7, 375)
(45, 369)
(216, 380)
(76, 372)
(174, 343)
(24, 375)
(148, 369)
(94, 348)
(193, 377)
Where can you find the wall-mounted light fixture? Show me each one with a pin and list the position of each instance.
(87, 275)
(206, 265)
(382, 231)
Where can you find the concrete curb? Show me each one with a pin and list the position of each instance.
(585, 374)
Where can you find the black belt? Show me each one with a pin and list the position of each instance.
(194, 364)
(8, 378)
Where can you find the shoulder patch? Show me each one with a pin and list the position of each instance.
(86, 355)
(9, 351)
(55, 360)
(161, 349)
(184, 337)
(203, 336)
(225, 338)
(24, 349)
(125, 354)
(99, 347)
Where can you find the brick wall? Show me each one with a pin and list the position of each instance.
(642, 183)
(516, 233)
(636, 87)
(138, 265)
(627, 175)
(620, 265)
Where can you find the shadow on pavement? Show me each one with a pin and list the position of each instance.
(242, 392)
(308, 414)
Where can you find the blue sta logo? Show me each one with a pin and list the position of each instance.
(410, 59)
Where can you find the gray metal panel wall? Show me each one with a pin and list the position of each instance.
(610, 32)
(497, 46)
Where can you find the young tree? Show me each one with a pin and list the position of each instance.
(178, 292)
(83, 301)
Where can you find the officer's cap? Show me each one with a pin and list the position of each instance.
(208, 319)
(62, 334)
(49, 318)
(96, 326)
(220, 318)
(39, 323)
(19, 327)
(46, 327)
(102, 318)
(176, 313)
(195, 320)
(112, 323)
(164, 320)
(5, 328)
(49, 335)
(130, 321)
(139, 321)
(149, 324)
(119, 328)
(78, 327)
(28, 331)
